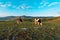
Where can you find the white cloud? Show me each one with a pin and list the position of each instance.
(23, 6)
(42, 2)
(5, 5)
(43, 5)
(9, 4)
(53, 3)
(0, 3)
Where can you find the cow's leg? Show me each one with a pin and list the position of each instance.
(41, 24)
(35, 22)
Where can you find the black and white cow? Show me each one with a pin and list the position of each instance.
(38, 21)
(19, 20)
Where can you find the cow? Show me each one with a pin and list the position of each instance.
(19, 20)
(38, 21)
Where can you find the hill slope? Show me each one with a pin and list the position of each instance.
(57, 19)
(7, 18)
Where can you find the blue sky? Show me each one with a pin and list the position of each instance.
(29, 7)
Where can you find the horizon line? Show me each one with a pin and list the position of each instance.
(34, 16)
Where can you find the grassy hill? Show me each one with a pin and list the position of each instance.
(56, 19)
(49, 30)
(7, 18)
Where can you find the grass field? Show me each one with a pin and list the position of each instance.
(10, 30)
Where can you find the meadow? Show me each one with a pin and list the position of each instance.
(27, 30)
